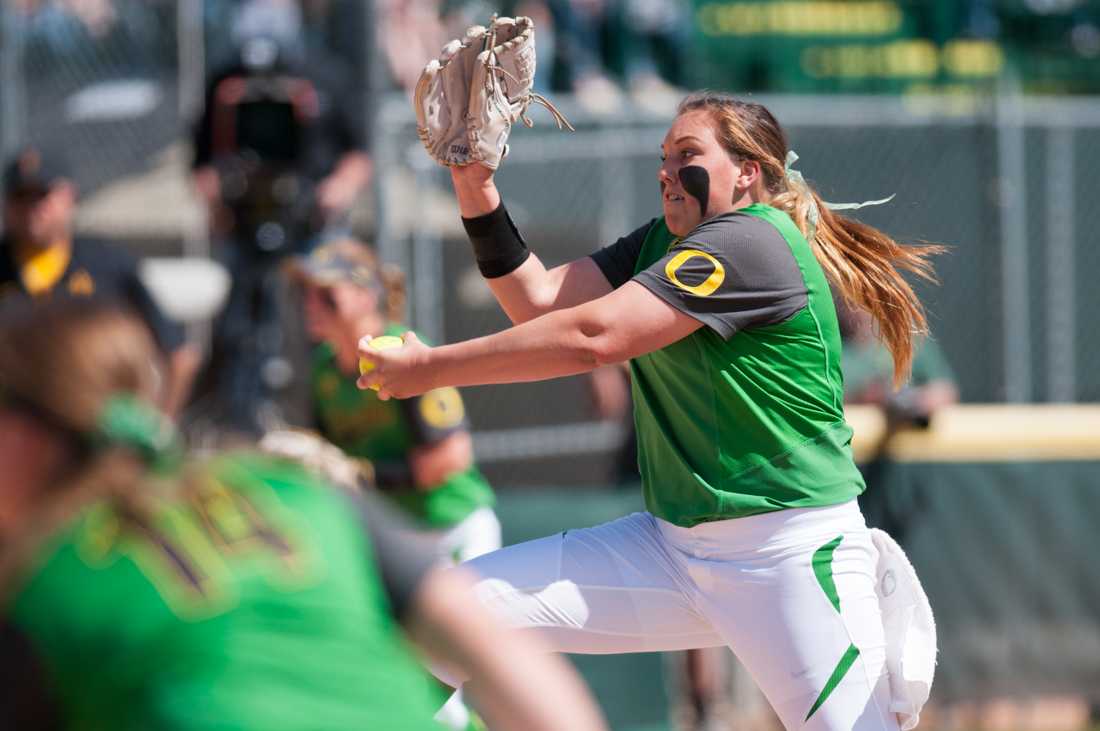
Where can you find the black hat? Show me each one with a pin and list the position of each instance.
(31, 170)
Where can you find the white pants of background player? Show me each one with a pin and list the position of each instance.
(792, 593)
(476, 534)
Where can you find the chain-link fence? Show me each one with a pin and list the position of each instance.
(117, 86)
(1000, 549)
(104, 85)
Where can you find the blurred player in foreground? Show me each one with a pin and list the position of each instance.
(752, 536)
(141, 590)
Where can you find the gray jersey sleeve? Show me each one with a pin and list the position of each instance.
(618, 260)
(732, 273)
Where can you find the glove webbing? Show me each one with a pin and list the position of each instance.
(532, 96)
(559, 118)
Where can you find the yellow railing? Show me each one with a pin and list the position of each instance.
(984, 433)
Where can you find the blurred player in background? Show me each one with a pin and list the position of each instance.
(868, 373)
(139, 590)
(752, 537)
(420, 448)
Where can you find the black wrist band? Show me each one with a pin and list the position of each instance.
(498, 247)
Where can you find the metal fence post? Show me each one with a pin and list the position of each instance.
(12, 97)
(614, 172)
(1012, 210)
(427, 247)
(191, 54)
(383, 120)
(387, 164)
(1061, 233)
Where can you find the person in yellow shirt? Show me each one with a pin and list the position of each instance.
(41, 258)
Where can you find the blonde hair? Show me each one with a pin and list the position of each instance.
(63, 362)
(863, 263)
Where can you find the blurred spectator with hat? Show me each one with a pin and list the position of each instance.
(41, 258)
(420, 447)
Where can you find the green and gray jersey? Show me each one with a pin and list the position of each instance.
(745, 415)
(255, 599)
(385, 432)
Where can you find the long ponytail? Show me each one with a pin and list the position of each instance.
(863, 263)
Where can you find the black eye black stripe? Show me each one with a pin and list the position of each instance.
(696, 182)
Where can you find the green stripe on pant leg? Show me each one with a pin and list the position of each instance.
(823, 570)
(841, 670)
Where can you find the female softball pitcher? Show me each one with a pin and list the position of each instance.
(752, 537)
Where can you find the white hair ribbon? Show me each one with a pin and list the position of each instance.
(813, 216)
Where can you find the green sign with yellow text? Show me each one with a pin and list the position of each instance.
(869, 46)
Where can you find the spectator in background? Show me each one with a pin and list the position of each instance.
(653, 38)
(603, 45)
(41, 258)
(132, 34)
(327, 148)
(584, 45)
(868, 374)
(580, 29)
(280, 158)
(412, 33)
(54, 28)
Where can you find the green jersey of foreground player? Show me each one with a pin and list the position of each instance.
(752, 536)
(140, 591)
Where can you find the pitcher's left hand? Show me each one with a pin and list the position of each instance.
(398, 372)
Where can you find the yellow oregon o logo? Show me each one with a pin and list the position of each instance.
(442, 408)
(713, 282)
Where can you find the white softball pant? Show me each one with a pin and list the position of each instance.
(476, 534)
(792, 593)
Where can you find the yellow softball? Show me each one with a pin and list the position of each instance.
(382, 342)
